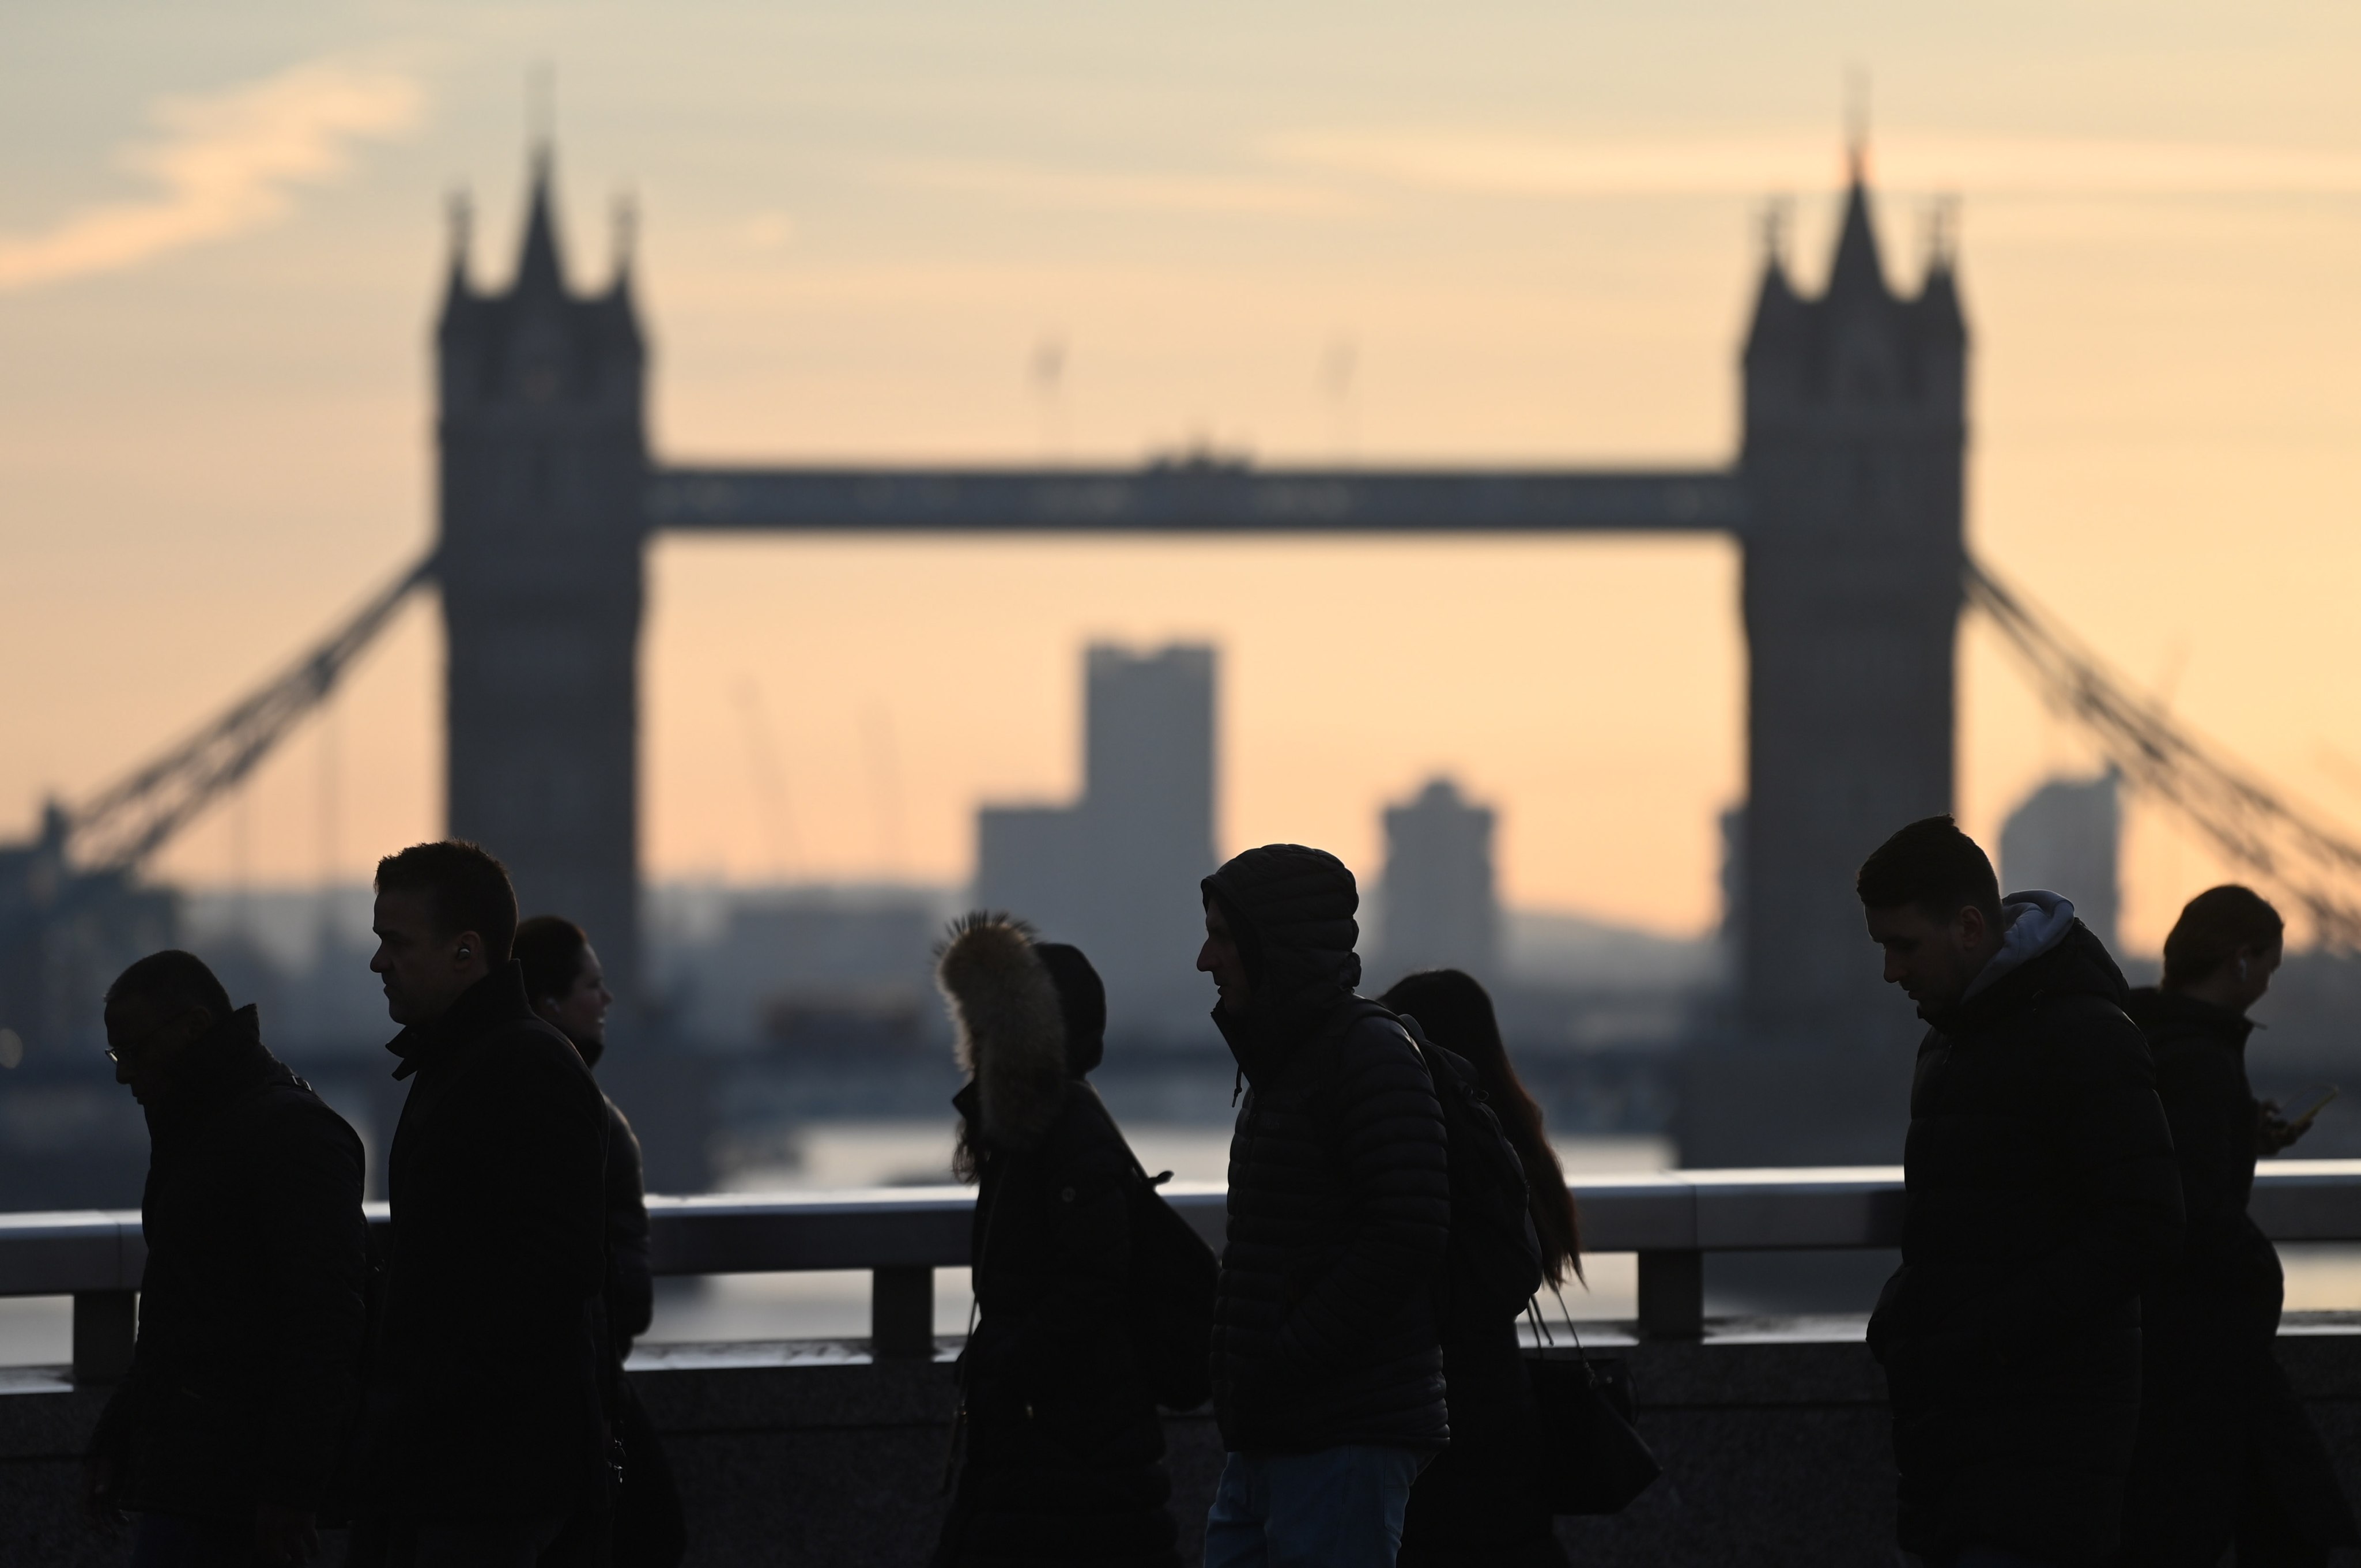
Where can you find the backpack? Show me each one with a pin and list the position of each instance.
(1170, 1289)
(1494, 1264)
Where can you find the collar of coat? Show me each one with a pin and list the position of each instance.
(222, 1063)
(1263, 1044)
(1008, 1030)
(2076, 964)
(498, 998)
(2156, 1010)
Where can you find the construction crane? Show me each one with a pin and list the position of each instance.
(121, 825)
(2253, 825)
(73, 909)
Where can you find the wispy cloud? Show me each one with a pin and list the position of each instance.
(1527, 165)
(222, 164)
(1036, 186)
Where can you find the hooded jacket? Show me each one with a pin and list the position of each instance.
(485, 1387)
(1065, 1448)
(2041, 1197)
(1324, 1328)
(247, 1377)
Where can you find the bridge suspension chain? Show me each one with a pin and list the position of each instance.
(2253, 825)
(122, 825)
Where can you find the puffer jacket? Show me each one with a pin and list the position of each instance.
(2042, 1196)
(1325, 1328)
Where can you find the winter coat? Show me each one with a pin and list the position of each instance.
(631, 1286)
(2042, 1195)
(1324, 1330)
(2221, 1432)
(648, 1530)
(1064, 1449)
(246, 1380)
(485, 1387)
(1478, 1504)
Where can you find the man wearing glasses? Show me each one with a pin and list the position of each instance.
(246, 1378)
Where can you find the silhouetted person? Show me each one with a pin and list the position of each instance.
(488, 1438)
(2041, 1196)
(1327, 1360)
(567, 988)
(1064, 1450)
(1478, 1504)
(243, 1389)
(2225, 1451)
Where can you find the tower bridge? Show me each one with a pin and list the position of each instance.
(1845, 498)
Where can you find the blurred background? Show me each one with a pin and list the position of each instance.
(1350, 238)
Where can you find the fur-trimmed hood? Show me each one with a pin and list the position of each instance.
(1009, 1029)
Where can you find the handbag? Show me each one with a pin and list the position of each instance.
(1592, 1459)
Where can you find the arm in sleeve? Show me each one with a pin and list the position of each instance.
(2212, 1115)
(551, 1124)
(319, 1263)
(2109, 1142)
(1390, 1140)
(631, 1284)
(1081, 1295)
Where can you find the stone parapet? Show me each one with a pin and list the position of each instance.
(1772, 1434)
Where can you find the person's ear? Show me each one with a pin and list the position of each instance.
(469, 945)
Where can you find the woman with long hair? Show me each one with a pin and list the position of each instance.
(2224, 1450)
(1064, 1451)
(1477, 1506)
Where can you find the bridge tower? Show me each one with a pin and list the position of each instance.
(1855, 441)
(542, 437)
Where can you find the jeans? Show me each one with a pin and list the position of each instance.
(1980, 1557)
(1339, 1507)
(177, 1541)
(474, 1543)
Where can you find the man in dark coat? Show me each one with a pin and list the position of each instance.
(1327, 1366)
(247, 1375)
(489, 1435)
(2041, 1196)
(568, 989)
(2225, 1451)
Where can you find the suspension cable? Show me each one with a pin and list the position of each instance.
(2253, 825)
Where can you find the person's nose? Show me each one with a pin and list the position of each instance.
(378, 964)
(1205, 956)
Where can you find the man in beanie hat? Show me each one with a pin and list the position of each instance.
(1327, 1365)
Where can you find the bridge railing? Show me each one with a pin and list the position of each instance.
(901, 1235)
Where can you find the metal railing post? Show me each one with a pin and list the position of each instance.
(105, 1325)
(1671, 1295)
(901, 1311)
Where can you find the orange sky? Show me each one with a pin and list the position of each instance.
(1530, 239)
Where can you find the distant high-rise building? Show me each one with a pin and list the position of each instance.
(1115, 874)
(1441, 906)
(2065, 838)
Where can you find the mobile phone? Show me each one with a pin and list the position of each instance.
(2328, 1091)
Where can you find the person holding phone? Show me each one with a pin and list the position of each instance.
(2224, 1452)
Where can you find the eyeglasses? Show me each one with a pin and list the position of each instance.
(120, 1054)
